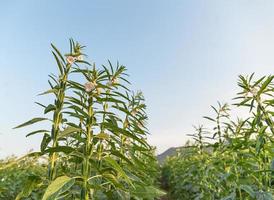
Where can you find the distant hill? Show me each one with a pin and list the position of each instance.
(170, 152)
(173, 150)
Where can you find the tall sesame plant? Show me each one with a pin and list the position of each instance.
(96, 147)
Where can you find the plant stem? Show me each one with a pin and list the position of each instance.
(57, 120)
(88, 151)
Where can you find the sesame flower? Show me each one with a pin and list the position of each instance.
(134, 112)
(254, 91)
(140, 125)
(127, 141)
(90, 86)
(80, 57)
(98, 90)
(114, 81)
(70, 59)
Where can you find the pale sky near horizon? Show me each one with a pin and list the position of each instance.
(184, 55)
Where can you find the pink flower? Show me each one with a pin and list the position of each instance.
(70, 59)
(90, 86)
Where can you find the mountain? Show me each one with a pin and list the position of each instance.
(169, 152)
(184, 149)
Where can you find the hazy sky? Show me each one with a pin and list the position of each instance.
(184, 55)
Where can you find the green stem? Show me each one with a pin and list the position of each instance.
(57, 120)
(269, 122)
(88, 151)
(237, 176)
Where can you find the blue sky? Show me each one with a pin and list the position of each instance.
(184, 55)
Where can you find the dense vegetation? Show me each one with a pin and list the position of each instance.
(17, 174)
(233, 160)
(95, 145)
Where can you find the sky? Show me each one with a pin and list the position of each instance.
(185, 55)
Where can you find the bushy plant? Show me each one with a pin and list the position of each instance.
(96, 144)
(17, 174)
(236, 161)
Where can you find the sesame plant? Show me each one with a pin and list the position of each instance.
(236, 161)
(95, 145)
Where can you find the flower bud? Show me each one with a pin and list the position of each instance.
(80, 58)
(90, 86)
(70, 59)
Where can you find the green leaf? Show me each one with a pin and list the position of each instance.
(64, 149)
(209, 118)
(60, 65)
(38, 131)
(272, 165)
(54, 90)
(117, 167)
(259, 144)
(231, 196)
(49, 108)
(57, 187)
(121, 156)
(264, 196)
(111, 178)
(58, 52)
(69, 130)
(32, 121)
(29, 186)
(109, 100)
(265, 84)
(45, 141)
(103, 136)
(248, 189)
(82, 61)
(148, 192)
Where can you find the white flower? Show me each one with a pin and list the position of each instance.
(70, 59)
(140, 125)
(89, 86)
(114, 81)
(254, 91)
(127, 141)
(134, 112)
(98, 90)
(80, 57)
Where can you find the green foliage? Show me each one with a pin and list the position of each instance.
(96, 146)
(59, 186)
(234, 160)
(20, 178)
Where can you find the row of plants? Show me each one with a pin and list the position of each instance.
(94, 132)
(16, 174)
(234, 159)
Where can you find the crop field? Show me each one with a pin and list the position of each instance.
(234, 159)
(137, 100)
(95, 146)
